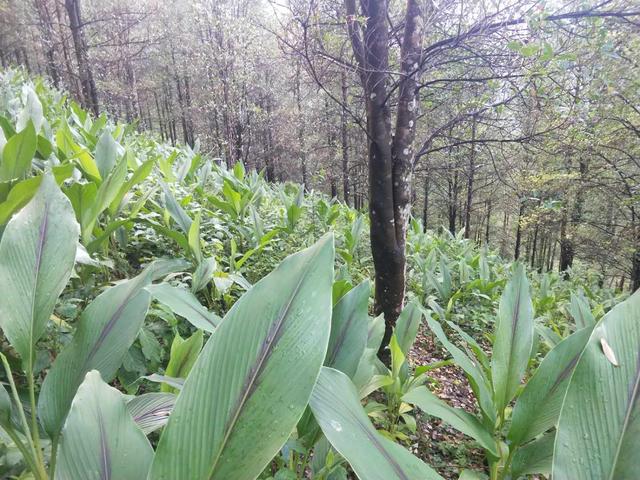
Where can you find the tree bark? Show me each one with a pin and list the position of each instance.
(425, 205)
(46, 31)
(453, 202)
(471, 173)
(635, 271)
(566, 248)
(302, 155)
(516, 254)
(89, 91)
(345, 140)
(390, 156)
(488, 226)
(534, 246)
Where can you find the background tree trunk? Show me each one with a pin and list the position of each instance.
(89, 92)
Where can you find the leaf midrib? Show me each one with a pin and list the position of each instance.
(248, 385)
(39, 249)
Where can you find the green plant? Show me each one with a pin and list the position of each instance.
(394, 415)
(111, 324)
(508, 437)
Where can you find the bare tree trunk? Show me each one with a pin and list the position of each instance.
(46, 29)
(516, 254)
(635, 271)
(89, 92)
(161, 122)
(635, 261)
(488, 226)
(300, 122)
(471, 173)
(390, 156)
(566, 248)
(425, 205)
(453, 202)
(534, 246)
(345, 140)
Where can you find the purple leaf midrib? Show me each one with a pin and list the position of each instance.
(273, 335)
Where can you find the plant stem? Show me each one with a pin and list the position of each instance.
(26, 454)
(35, 460)
(16, 399)
(35, 432)
(54, 454)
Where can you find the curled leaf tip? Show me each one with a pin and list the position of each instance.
(608, 352)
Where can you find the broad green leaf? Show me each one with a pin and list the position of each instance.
(369, 364)
(599, 428)
(184, 354)
(347, 342)
(534, 458)
(175, 210)
(138, 176)
(100, 440)
(336, 407)
(176, 383)
(184, 303)
(44, 149)
(5, 406)
(106, 330)
(581, 312)
(456, 417)
(471, 475)
(32, 111)
(349, 329)
(255, 375)
(37, 253)
(548, 335)
(194, 239)
(178, 237)
(106, 154)
(513, 338)
(407, 325)
(106, 193)
(538, 406)
(151, 411)
(202, 275)
(22, 192)
(18, 154)
(7, 127)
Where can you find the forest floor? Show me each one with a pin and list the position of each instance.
(442, 447)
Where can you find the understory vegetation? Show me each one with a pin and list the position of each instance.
(166, 317)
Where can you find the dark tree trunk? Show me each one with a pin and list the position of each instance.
(542, 253)
(89, 91)
(46, 30)
(270, 173)
(302, 154)
(453, 202)
(516, 254)
(425, 205)
(566, 248)
(552, 256)
(534, 246)
(160, 116)
(488, 226)
(345, 140)
(635, 271)
(390, 156)
(187, 99)
(470, 177)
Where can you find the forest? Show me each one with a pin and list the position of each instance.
(319, 239)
